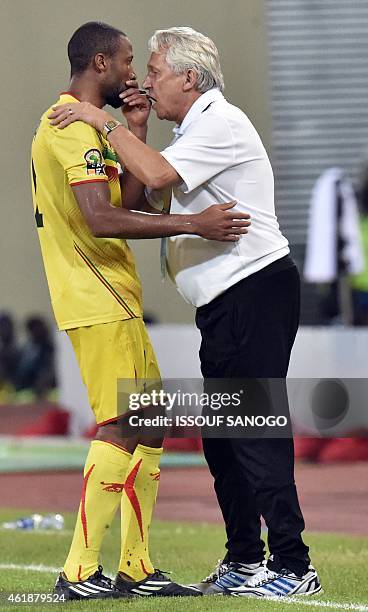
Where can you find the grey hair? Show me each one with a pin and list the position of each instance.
(187, 49)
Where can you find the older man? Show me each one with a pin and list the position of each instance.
(246, 294)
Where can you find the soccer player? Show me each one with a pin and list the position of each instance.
(247, 297)
(83, 214)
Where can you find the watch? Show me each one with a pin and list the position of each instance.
(109, 126)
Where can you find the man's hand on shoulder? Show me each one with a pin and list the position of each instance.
(65, 114)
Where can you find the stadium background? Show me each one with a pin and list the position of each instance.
(33, 38)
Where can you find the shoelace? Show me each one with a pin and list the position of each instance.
(220, 569)
(261, 577)
(161, 573)
(98, 575)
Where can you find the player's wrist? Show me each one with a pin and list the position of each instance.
(188, 224)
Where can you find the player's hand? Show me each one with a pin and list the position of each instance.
(65, 114)
(136, 105)
(220, 222)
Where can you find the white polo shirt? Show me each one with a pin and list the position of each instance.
(220, 157)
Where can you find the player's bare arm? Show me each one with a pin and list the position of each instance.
(218, 222)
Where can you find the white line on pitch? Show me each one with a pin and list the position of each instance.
(35, 568)
(30, 568)
(330, 605)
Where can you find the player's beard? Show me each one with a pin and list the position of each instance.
(112, 97)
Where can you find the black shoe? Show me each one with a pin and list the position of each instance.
(96, 586)
(156, 585)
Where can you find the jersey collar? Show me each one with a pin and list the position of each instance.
(212, 95)
(68, 93)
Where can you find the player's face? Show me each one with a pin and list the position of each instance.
(120, 70)
(165, 87)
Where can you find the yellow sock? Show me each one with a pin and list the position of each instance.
(139, 497)
(104, 475)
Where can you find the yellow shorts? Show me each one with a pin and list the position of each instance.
(108, 352)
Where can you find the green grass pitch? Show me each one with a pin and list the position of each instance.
(189, 551)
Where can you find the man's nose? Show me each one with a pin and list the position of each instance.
(132, 75)
(146, 82)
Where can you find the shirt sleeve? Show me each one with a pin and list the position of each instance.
(205, 149)
(154, 199)
(79, 150)
(160, 199)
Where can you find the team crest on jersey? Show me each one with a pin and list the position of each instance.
(95, 164)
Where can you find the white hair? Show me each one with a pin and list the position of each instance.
(187, 49)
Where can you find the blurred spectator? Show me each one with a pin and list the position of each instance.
(359, 282)
(9, 356)
(334, 249)
(36, 366)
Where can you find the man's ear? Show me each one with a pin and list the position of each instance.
(190, 80)
(99, 62)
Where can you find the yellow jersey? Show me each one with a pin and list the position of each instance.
(91, 280)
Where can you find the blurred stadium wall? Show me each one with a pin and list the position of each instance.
(33, 39)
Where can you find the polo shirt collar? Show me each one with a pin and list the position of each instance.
(212, 95)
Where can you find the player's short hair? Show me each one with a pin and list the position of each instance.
(187, 49)
(92, 38)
